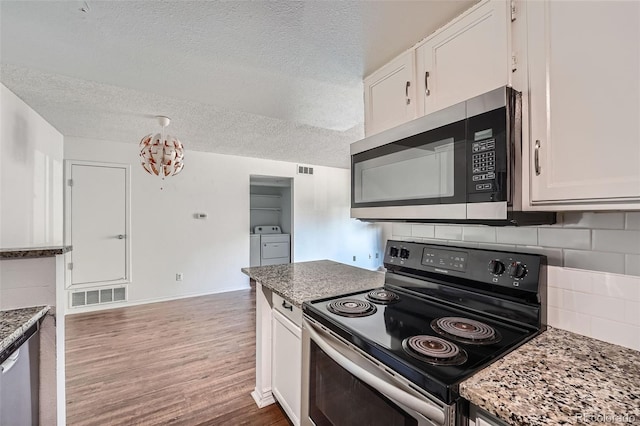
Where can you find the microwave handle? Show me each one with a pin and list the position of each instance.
(430, 411)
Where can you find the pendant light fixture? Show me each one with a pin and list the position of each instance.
(162, 154)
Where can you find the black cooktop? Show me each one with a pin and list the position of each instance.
(381, 335)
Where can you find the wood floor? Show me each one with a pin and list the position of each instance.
(183, 362)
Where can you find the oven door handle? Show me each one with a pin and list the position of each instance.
(430, 411)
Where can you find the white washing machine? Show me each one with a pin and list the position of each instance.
(275, 247)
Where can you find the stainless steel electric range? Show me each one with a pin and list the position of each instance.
(396, 355)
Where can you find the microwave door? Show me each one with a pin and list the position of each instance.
(424, 169)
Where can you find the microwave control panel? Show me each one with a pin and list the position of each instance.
(484, 164)
(486, 157)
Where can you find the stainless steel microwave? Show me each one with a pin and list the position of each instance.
(462, 164)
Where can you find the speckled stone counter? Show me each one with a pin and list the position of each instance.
(15, 322)
(33, 252)
(560, 378)
(297, 282)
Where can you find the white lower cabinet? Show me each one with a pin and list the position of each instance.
(286, 374)
(479, 417)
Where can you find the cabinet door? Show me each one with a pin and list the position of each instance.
(467, 58)
(286, 379)
(584, 101)
(389, 95)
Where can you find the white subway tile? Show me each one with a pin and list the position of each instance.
(599, 306)
(570, 279)
(466, 244)
(571, 321)
(422, 231)
(401, 229)
(554, 297)
(519, 236)
(497, 247)
(595, 220)
(448, 232)
(435, 241)
(616, 241)
(632, 220)
(554, 255)
(616, 332)
(594, 261)
(565, 238)
(632, 312)
(618, 286)
(632, 264)
(485, 234)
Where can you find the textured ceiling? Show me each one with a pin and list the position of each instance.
(279, 79)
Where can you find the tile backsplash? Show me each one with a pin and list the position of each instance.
(595, 304)
(604, 242)
(593, 278)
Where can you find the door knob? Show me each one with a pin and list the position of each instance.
(121, 236)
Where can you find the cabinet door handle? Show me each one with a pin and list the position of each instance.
(287, 306)
(121, 236)
(537, 158)
(406, 92)
(427, 92)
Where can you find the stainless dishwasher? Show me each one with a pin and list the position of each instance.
(20, 380)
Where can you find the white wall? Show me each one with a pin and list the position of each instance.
(27, 282)
(31, 215)
(167, 239)
(31, 197)
(30, 176)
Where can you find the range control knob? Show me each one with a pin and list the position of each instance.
(496, 267)
(404, 253)
(393, 252)
(517, 270)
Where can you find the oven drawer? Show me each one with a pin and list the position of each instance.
(293, 313)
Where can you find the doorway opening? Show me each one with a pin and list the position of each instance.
(270, 220)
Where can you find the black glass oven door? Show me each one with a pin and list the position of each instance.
(428, 168)
(337, 398)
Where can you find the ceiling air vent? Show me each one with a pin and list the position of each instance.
(305, 170)
(98, 296)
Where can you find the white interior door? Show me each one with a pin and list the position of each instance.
(98, 223)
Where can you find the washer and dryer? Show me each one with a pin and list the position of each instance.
(269, 246)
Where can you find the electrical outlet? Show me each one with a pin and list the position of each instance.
(179, 276)
(354, 258)
(377, 255)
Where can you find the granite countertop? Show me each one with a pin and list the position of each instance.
(298, 282)
(32, 252)
(560, 378)
(15, 322)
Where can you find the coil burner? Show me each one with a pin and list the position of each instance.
(466, 330)
(351, 308)
(382, 296)
(434, 350)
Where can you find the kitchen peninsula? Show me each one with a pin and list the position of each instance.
(280, 292)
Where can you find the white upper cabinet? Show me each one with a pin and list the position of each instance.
(389, 95)
(466, 58)
(584, 98)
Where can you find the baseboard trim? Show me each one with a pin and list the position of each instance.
(263, 398)
(116, 305)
